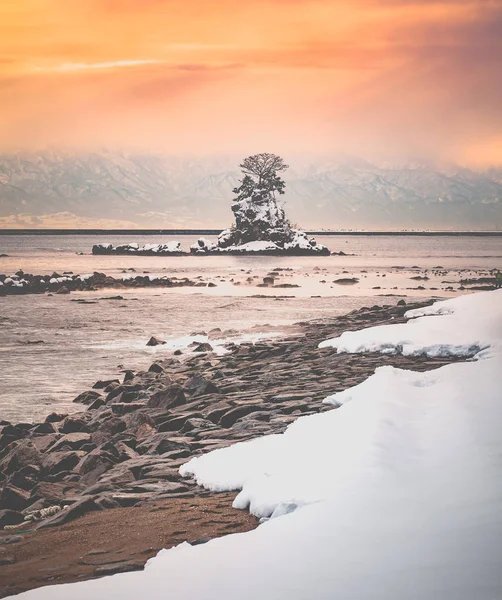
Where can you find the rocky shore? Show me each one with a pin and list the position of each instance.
(170, 249)
(117, 460)
(24, 283)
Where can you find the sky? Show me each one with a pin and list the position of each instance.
(388, 78)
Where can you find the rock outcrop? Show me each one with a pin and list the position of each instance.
(24, 283)
(260, 227)
(170, 249)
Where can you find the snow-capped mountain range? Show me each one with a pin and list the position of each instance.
(113, 189)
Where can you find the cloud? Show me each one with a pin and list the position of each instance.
(383, 76)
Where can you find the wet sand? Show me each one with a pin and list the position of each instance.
(113, 541)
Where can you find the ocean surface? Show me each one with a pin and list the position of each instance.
(53, 348)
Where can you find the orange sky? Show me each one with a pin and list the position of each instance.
(389, 78)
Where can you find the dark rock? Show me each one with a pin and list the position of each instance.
(170, 398)
(123, 396)
(96, 463)
(174, 423)
(153, 341)
(161, 443)
(55, 462)
(26, 478)
(122, 408)
(98, 403)
(199, 386)
(401, 303)
(14, 498)
(44, 428)
(72, 441)
(22, 455)
(230, 417)
(84, 505)
(156, 368)
(102, 384)
(138, 419)
(73, 424)
(63, 290)
(203, 347)
(105, 501)
(197, 424)
(55, 417)
(43, 442)
(56, 492)
(346, 281)
(10, 517)
(87, 397)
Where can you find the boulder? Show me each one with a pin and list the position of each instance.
(134, 421)
(10, 517)
(71, 441)
(161, 443)
(55, 417)
(196, 424)
(166, 399)
(22, 455)
(55, 462)
(73, 424)
(153, 341)
(14, 498)
(230, 417)
(102, 384)
(199, 386)
(79, 508)
(87, 397)
(55, 492)
(26, 478)
(203, 347)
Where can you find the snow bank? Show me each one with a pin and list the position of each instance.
(396, 495)
(462, 327)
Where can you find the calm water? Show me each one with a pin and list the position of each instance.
(35, 253)
(52, 348)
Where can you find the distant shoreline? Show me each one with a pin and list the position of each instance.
(217, 231)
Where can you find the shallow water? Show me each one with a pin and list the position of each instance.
(52, 348)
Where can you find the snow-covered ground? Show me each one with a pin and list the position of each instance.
(396, 495)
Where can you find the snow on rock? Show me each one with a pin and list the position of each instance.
(395, 495)
(202, 245)
(260, 227)
(462, 327)
(170, 248)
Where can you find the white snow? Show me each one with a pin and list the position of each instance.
(203, 245)
(256, 246)
(463, 326)
(396, 495)
(301, 241)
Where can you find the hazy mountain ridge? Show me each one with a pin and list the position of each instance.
(161, 191)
